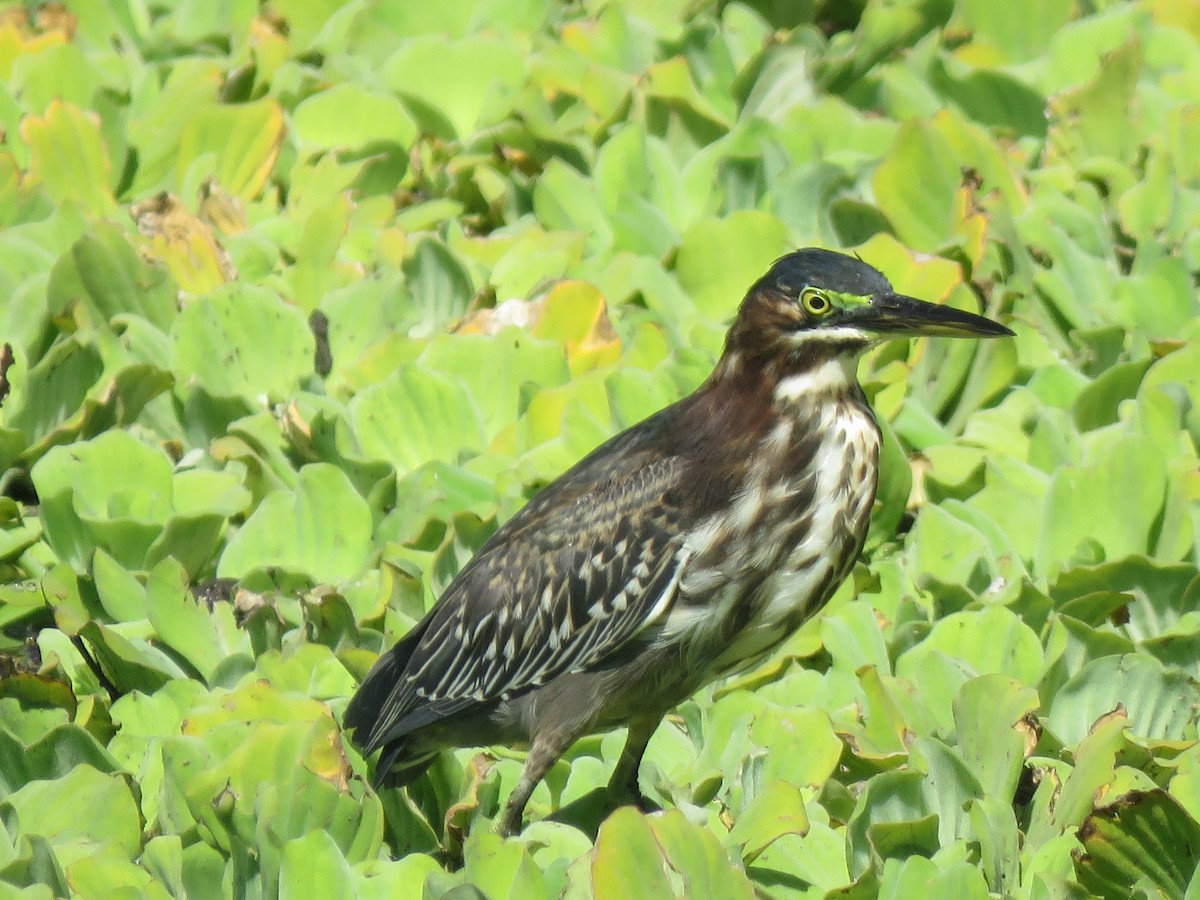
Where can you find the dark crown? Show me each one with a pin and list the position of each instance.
(826, 269)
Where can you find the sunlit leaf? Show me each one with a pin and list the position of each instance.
(323, 529)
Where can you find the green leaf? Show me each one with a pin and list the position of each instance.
(185, 624)
(313, 866)
(563, 200)
(989, 640)
(392, 419)
(641, 192)
(77, 812)
(112, 492)
(1177, 375)
(1097, 404)
(991, 97)
(52, 756)
(347, 115)
(56, 392)
(1092, 775)
(114, 279)
(501, 868)
(698, 857)
(917, 876)
(994, 825)
(1149, 599)
(96, 875)
(802, 748)
(453, 87)
(993, 715)
(201, 504)
(949, 787)
(1013, 34)
(131, 663)
(316, 272)
(1099, 112)
(1163, 704)
(160, 110)
(59, 71)
(322, 529)
(852, 636)
(891, 820)
(439, 288)
(719, 258)
(242, 341)
(121, 594)
(496, 370)
(776, 810)
(627, 853)
(915, 185)
(947, 549)
(382, 879)
(1114, 499)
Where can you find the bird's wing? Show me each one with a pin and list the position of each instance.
(559, 589)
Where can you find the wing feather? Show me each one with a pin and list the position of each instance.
(595, 570)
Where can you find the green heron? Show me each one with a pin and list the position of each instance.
(676, 552)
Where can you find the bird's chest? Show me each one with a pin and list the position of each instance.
(761, 566)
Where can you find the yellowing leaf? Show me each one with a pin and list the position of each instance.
(220, 209)
(970, 223)
(575, 313)
(930, 278)
(69, 156)
(17, 40)
(185, 244)
(245, 140)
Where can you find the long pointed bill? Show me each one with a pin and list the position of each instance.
(901, 315)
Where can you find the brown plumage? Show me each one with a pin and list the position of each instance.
(677, 551)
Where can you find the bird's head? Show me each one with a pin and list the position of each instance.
(820, 303)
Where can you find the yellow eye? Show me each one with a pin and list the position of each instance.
(815, 302)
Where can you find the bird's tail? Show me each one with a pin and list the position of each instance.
(399, 766)
(364, 716)
(374, 721)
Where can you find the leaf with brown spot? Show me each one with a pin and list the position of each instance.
(183, 242)
(479, 797)
(220, 209)
(1144, 839)
(576, 314)
(6, 361)
(1095, 764)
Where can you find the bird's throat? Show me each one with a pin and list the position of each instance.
(829, 380)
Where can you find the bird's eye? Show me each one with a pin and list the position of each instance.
(815, 302)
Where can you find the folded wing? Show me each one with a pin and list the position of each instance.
(588, 566)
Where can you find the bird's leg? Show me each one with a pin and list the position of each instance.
(544, 751)
(623, 785)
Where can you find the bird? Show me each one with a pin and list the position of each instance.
(678, 551)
